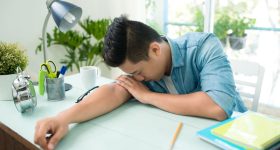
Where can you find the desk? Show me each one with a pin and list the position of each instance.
(132, 126)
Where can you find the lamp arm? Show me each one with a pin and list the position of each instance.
(44, 36)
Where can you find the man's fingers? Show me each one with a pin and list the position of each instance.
(122, 76)
(55, 139)
(41, 130)
(125, 82)
(36, 136)
(42, 141)
(129, 78)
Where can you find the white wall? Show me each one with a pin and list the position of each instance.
(22, 21)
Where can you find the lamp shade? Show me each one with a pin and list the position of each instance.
(65, 15)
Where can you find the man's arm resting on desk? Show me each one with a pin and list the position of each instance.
(101, 101)
(194, 104)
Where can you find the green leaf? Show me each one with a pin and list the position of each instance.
(11, 56)
(81, 47)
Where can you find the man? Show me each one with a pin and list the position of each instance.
(187, 76)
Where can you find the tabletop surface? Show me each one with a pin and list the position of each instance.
(131, 126)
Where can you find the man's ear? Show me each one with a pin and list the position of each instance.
(154, 49)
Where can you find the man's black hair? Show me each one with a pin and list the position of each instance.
(126, 39)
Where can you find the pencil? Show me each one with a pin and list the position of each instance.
(175, 135)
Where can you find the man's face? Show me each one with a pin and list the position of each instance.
(152, 69)
(145, 70)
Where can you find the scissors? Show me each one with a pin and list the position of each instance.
(50, 68)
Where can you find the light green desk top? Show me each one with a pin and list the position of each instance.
(131, 126)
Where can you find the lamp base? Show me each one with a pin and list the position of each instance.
(67, 86)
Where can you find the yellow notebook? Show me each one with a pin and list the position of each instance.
(252, 130)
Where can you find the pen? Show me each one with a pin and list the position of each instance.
(175, 135)
(62, 71)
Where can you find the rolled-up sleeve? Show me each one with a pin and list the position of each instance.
(216, 75)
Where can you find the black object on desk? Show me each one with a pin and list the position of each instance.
(85, 94)
(67, 86)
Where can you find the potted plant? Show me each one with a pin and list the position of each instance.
(227, 20)
(11, 56)
(221, 24)
(83, 49)
(198, 19)
(237, 35)
(221, 27)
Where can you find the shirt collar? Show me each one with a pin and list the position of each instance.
(177, 57)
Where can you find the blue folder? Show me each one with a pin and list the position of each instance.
(207, 135)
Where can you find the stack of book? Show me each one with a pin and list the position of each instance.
(249, 131)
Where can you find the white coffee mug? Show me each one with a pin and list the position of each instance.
(89, 75)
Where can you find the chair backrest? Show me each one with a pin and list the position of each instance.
(248, 78)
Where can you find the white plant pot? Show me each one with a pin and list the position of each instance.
(6, 86)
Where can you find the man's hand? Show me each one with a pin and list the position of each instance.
(49, 131)
(137, 89)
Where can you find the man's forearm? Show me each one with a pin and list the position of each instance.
(104, 99)
(194, 104)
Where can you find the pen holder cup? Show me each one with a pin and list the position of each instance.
(55, 88)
